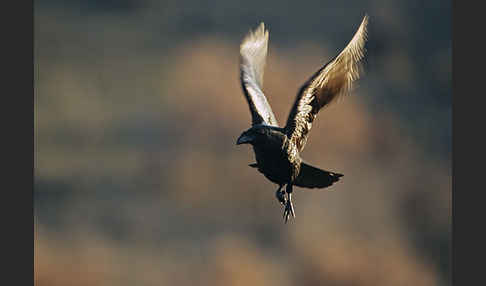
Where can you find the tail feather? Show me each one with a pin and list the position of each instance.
(312, 177)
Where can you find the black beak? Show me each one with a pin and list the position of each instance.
(244, 139)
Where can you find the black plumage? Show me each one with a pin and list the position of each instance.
(277, 149)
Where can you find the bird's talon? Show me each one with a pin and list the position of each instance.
(289, 210)
(281, 197)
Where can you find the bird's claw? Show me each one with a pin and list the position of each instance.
(281, 197)
(289, 210)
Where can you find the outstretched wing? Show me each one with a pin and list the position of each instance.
(253, 53)
(330, 82)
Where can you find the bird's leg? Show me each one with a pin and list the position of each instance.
(289, 208)
(280, 194)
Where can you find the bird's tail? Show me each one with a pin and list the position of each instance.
(312, 177)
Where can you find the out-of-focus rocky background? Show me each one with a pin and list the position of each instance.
(138, 180)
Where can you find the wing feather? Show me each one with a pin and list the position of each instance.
(331, 81)
(253, 53)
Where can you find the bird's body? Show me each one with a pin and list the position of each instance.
(272, 157)
(277, 149)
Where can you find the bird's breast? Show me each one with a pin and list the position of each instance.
(276, 163)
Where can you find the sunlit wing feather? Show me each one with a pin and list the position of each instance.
(333, 80)
(253, 53)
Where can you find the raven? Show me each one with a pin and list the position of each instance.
(277, 150)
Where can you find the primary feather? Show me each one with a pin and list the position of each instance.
(253, 54)
(330, 82)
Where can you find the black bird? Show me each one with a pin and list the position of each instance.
(277, 150)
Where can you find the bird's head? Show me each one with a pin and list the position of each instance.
(253, 135)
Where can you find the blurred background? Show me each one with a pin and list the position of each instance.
(138, 180)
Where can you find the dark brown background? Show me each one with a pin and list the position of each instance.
(138, 180)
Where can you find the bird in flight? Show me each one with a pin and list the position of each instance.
(277, 149)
